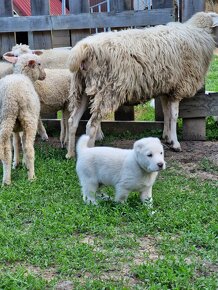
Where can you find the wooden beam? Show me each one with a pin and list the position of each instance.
(201, 105)
(110, 127)
(86, 20)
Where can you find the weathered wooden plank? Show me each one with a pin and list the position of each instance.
(86, 20)
(40, 7)
(7, 40)
(108, 127)
(194, 129)
(39, 39)
(202, 105)
(6, 8)
(190, 7)
(78, 7)
(162, 4)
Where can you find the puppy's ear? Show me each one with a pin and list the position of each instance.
(138, 146)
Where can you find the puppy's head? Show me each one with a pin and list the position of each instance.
(149, 154)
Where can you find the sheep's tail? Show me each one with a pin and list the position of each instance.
(82, 143)
(79, 53)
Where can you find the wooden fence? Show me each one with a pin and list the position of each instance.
(80, 22)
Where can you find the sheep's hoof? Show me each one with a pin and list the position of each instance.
(7, 183)
(32, 178)
(44, 138)
(15, 165)
(69, 156)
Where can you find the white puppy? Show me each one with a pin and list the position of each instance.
(125, 169)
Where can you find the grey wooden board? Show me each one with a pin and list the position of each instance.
(190, 7)
(201, 105)
(86, 20)
(40, 7)
(6, 8)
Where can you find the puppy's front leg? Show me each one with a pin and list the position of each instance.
(121, 194)
(146, 197)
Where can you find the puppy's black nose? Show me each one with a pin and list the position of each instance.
(160, 164)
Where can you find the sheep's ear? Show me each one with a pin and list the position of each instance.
(9, 56)
(31, 63)
(37, 52)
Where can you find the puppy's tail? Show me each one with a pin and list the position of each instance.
(82, 143)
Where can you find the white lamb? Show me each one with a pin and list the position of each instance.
(54, 90)
(19, 111)
(111, 68)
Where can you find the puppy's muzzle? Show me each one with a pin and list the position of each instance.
(160, 165)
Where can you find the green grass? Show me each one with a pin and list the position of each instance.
(48, 235)
(211, 83)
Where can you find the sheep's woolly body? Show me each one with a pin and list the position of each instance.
(5, 69)
(141, 63)
(136, 64)
(54, 90)
(50, 58)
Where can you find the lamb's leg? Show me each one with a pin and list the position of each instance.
(16, 147)
(174, 109)
(7, 163)
(42, 131)
(73, 123)
(29, 134)
(166, 111)
(6, 129)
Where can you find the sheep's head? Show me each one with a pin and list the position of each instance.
(205, 20)
(27, 64)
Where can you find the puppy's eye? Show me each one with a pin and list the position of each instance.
(39, 63)
(161, 153)
(150, 155)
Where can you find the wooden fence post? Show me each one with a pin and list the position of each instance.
(190, 7)
(193, 128)
(77, 7)
(7, 40)
(125, 112)
(40, 39)
(158, 107)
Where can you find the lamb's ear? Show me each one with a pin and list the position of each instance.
(31, 63)
(37, 52)
(9, 56)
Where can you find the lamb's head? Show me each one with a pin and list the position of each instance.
(205, 20)
(27, 64)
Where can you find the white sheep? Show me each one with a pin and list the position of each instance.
(111, 68)
(19, 111)
(54, 90)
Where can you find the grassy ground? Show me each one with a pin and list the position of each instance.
(49, 237)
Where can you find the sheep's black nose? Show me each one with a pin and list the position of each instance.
(160, 164)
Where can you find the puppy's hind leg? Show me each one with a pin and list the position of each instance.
(89, 193)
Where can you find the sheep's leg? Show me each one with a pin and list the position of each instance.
(174, 113)
(64, 128)
(7, 162)
(99, 134)
(42, 131)
(92, 127)
(73, 123)
(16, 147)
(166, 111)
(29, 134)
